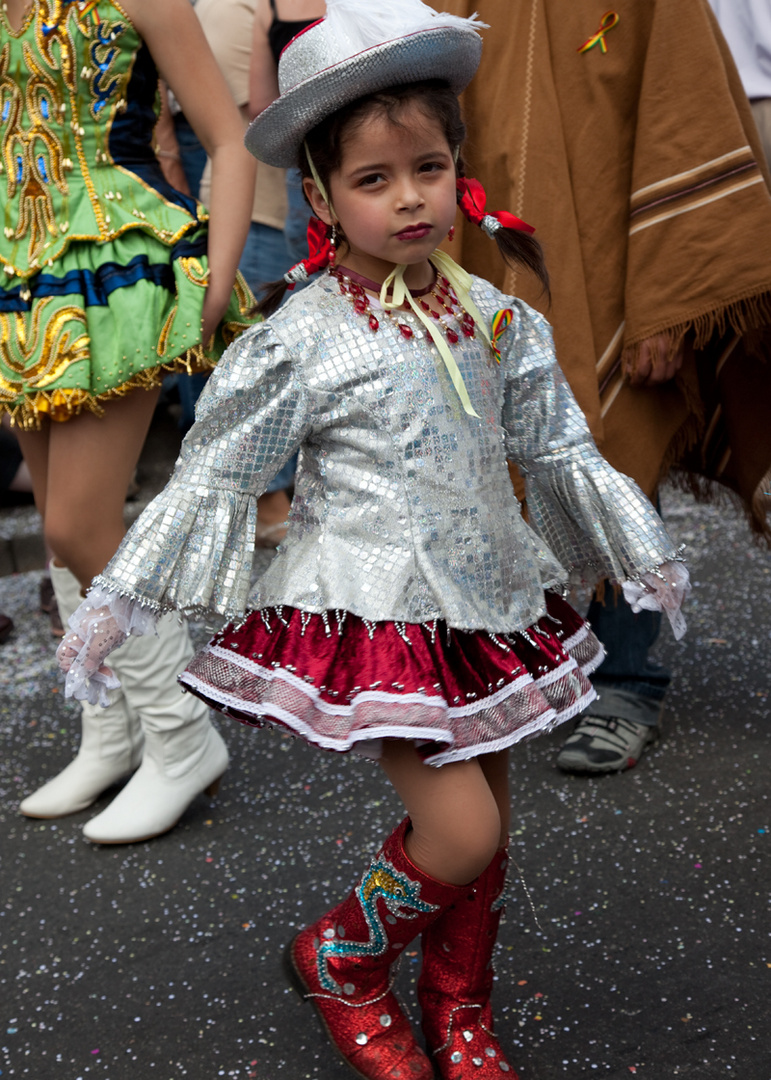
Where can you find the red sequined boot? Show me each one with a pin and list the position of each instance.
(342, 963)
(456, 980)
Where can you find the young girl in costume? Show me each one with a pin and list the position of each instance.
(411, 613)
(112, 277)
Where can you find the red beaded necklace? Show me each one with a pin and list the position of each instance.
(354, 286)
(444, 294)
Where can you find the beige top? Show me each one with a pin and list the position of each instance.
(228, 28)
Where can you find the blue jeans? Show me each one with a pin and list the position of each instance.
(628, 682)
(193, 157)
(192, 153)
(265, 257)
(297, 217)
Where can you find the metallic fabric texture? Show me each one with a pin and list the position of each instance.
(403, 507)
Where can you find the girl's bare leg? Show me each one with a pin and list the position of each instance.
(34, 447)
(80, 472)
(456, 820)
(496, 770)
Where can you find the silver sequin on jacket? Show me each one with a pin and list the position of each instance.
(403, 508)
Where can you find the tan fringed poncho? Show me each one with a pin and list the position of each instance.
(640, 169)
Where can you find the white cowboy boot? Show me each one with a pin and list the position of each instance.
(110, 742)
(184, 754)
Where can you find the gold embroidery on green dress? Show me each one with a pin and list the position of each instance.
(65, 80)
(25, 336)
(88, 51)
(197, 274)
(194, 270)
(51, 29)
(32, 155)
(105, 83)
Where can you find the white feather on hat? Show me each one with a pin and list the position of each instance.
(363, 24)
(361, 46)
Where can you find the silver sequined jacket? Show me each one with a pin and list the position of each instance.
(403, 507)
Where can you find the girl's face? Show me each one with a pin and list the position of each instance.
(394, 195)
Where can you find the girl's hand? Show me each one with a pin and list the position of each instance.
(663, 590)
(82, 653)
(102, 622)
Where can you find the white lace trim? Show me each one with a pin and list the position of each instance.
(99, 625)
(664, 590)
(383, 697)
(130, 615)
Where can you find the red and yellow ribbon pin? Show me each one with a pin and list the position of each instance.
(607, 22)
(501, 320)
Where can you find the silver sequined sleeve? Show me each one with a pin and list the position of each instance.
(192, 547)
(597, 521)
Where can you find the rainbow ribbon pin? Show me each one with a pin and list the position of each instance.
(501, 319)
(607, 22)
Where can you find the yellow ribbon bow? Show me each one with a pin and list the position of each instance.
(607, 22)
(461, 283)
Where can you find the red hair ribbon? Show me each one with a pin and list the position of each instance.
(472, 199)
(321, 252)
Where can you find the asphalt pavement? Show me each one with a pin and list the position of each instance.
(645, 951)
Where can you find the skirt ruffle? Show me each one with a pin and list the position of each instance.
(106, 319)
(343, 683)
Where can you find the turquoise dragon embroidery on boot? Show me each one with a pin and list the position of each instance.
(398, 893)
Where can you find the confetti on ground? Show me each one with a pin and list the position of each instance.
(164, 959)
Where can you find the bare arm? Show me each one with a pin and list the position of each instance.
(182, 55)
(263, 75)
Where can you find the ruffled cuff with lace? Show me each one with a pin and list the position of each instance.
(597, 521)
(99, 625)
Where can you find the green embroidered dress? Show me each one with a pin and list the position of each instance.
(104, 265)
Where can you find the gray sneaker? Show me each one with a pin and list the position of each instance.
(602, 744)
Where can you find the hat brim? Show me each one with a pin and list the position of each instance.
(447, 53)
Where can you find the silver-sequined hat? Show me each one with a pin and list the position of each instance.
(352, 52)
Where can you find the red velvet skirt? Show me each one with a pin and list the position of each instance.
(343, 683)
